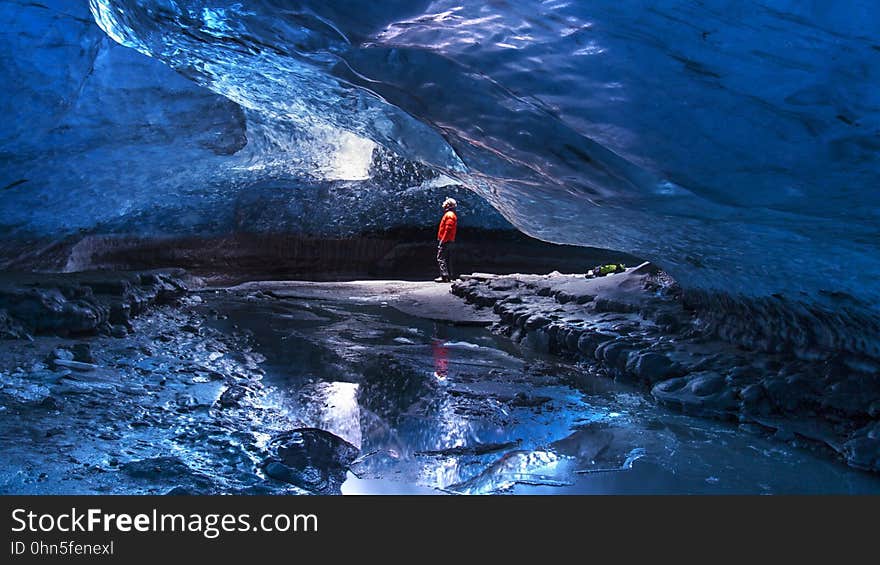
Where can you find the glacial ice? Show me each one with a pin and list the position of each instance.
(733, 144)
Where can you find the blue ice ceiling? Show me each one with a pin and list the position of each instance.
(734, 143)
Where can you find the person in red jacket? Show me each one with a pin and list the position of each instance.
(445, 239)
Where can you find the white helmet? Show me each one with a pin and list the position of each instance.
(450, 203)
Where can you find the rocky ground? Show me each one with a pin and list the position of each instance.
(140, 383)
(634, 327)
(114, 382)
(152, 382)
(85, 303)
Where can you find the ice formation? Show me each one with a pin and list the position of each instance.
(733, 144)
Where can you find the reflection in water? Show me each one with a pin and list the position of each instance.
(537, 467)
(334, 407)
(441, 358)
(459, 409)
(440, 351)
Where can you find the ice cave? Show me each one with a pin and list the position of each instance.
(218, 245)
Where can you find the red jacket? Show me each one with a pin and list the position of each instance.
(446, 231)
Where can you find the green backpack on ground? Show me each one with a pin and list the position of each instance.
(602, 270)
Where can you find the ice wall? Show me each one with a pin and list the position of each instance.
(733, 143)
(98, 138)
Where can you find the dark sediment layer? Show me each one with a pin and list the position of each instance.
(400, 253)
(637, 326)
(84, 303)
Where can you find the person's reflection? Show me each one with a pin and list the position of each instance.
(440, 353)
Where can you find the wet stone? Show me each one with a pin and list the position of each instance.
(191, 328)
(755, 400)
(61, 353)
(863, 450)
(544, 290)
(75, 365)
(652, 367)
(698, 393)
(50, 403)
(156, 467)
(309, 478)
(740, 377)
(610, 352)
(539, 340)
(534, 322)
(82, 352)
(589, 341)
(232, 396)
(785, 393)
(572, 337)
(310, 458)
(183, 491)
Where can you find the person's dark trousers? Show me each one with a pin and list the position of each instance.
(444, 260)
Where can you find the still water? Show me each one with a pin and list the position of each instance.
(438, 408)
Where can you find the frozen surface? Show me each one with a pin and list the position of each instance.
(198, 397)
